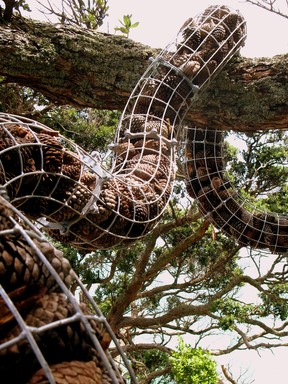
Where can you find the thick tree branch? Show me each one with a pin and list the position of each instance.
(70, 65)
(183, 309)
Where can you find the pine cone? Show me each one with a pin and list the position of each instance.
(71, 165)
(191, 37)
(64, 342)
(52, 152)
(19, 263)
(69, 372)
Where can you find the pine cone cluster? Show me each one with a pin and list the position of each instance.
(208, 183)
(44, 177)
(58, 324)
(209, 40)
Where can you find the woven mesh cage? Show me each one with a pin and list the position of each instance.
(218, 198)
(46, 334)
(51, 186)
(52, 180)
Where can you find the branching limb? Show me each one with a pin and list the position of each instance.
(153, 375)
(269, 5)
(227, 375)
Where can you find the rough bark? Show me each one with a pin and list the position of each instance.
(84, 68)
(71, 65)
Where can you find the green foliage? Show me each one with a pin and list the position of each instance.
(275, 301)
(22, 4)
(10, 6)
(91, 129)
(84, 13)
(151, 360)
(193, 365)
(232, 311)
(107, 294)
(126, 25)
(260, 171)
(277, 201)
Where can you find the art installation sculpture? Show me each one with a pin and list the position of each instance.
(218, 199)
(67, 190)
(49, 180)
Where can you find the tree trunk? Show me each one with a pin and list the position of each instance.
(84, 68)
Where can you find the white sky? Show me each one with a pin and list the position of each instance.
(160, 21)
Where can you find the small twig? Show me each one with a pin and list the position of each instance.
(227, 375)
(269, 6)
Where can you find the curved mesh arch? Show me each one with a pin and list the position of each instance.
(70, 193)
(67, 193)
(217, 197)
(42, 324)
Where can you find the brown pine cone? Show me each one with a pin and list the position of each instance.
(18, 159)
(50, 153)
(206, 199)
(191, 37)
(71, 165)
(70, 205)
(72, 372)
(147, 147)
(193, 186)
(19, 263)
(63, 342)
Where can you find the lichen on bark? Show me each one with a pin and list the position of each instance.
(84, 68)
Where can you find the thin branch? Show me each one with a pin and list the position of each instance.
(269, 6)
(153, 375)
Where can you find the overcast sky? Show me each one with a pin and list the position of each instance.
(160, 21)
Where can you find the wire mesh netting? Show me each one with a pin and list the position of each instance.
(50, 185)
(54, 181)
(44, 330)
(208, 182)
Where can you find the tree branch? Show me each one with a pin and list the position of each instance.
(153, 375)
(142, 347)
(268, 6)
(227, 375)
(84, 68)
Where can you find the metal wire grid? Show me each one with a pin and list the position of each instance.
(184, 68)
(141, 176)
(27, 235)
(69, 199)
(76, 199)
(217, 197)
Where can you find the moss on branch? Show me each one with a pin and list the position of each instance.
(84, 68)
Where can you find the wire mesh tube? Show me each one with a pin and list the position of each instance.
(54, 181)
(46, 335)
(42, 324)
(207, 181)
